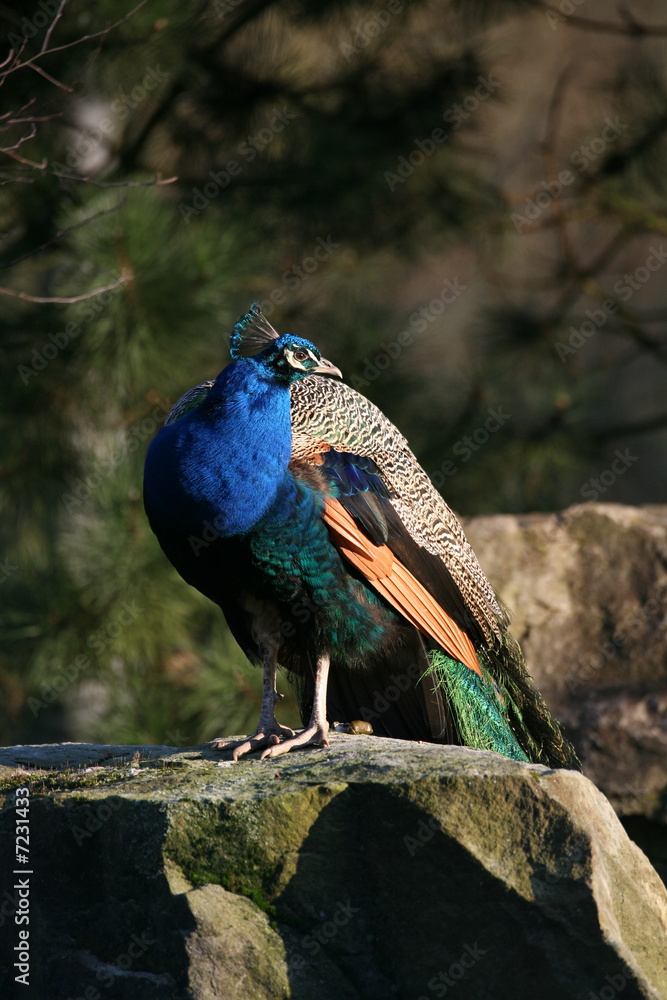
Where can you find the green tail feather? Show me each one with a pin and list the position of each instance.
(502, 710)
(481, 717)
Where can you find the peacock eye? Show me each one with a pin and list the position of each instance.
(300, 355)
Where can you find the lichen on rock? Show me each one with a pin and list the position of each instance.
(370, 869)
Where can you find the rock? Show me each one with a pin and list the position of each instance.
(232, 934)
(588, 588)
(369, 870)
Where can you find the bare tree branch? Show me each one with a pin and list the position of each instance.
(631, 27)
(19, 142)
(47, 37)
(47, 76)
(15, 180)
(548, 150)
(47, 300)
(156, 182)
(22, 159)
(69, 45)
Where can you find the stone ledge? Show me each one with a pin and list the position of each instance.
(371, 869)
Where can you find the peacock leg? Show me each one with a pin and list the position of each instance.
(268, 728)
(317, 730)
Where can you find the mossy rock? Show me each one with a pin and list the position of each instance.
(369, 870)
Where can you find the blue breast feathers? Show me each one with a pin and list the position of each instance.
(223, 463)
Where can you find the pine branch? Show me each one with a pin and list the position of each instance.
(63, 232)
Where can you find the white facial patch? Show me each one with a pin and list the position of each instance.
(289, 354)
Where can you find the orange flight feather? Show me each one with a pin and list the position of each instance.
(390, 578)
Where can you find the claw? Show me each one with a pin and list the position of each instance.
(311, 736)
(269, 730)
(264, 737)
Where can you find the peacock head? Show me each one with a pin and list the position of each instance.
(287, 358)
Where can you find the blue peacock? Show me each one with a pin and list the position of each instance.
(290, 500)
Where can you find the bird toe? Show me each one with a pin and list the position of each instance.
(311, 736)
(261, 738)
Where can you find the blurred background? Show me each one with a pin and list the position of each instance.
(462, 203)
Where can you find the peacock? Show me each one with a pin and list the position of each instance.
(292, 502)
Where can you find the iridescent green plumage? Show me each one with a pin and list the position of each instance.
(480, 709)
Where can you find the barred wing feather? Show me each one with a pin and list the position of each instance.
(329, 414)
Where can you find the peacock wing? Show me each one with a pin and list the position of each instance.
(328, 414)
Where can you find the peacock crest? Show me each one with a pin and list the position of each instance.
(252, 333)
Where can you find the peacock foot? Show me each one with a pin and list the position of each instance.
(265, 736)
(312, 735)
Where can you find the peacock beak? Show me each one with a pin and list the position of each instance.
(326, 368)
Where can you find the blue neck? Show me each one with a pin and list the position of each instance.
(222, 464)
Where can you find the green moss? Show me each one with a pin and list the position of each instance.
(250, 847)
(259, 901)
(47, 782)
(204, 877)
